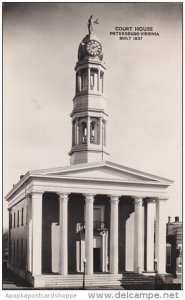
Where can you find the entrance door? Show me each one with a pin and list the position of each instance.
(96, 258)
(97, 214)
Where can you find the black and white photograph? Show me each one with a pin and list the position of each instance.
(92, 146)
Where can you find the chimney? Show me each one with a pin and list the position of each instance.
(21, 176)
(176, 219)
(169, 219)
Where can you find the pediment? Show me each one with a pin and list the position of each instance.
(104, 171)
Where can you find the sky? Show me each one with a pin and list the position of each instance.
(143, 87)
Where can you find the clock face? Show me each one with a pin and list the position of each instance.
(94, 48)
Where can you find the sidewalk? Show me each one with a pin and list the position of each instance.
(12, 282)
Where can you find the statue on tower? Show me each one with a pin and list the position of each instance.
(91, 24)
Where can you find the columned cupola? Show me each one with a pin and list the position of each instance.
(89, 115)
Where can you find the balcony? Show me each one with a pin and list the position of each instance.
(97, 226)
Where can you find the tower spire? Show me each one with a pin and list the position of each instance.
(89, 115)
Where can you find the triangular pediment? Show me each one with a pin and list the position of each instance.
(103, 171)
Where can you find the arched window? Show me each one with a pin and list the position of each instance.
(92, 137)
(94, 79)
(83, 133)
(101, 82)
(84, 82)
(73, 133)
(94, 131)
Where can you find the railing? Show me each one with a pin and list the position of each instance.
(97, 226)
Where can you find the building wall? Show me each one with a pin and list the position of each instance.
(18, 235)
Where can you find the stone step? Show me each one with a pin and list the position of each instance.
(99, 280)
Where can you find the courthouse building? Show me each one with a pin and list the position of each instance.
(93, 213)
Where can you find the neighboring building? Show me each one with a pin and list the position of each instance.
(174, 247)
(93, 212)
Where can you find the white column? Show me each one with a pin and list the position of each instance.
(150, 235)
(89, 200)
(36, 233)
(100, 131)
(114, 235)
(77, 132)
(104, 133)
(88, 131)
(29, 232)
(160, 241)
(138, 235)
(98, 87)
(89, 79)
(63, 234)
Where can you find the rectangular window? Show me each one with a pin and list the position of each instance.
(22, 216)
(18, 218)
(14, 220)
(84, 82)
(10, 220)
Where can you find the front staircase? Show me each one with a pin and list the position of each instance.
(131, 278)
(96, 280)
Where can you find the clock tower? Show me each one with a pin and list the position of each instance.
(89, 115)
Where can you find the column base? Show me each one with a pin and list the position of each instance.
(148, 273)
(138, 270)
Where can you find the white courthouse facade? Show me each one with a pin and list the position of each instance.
(94, 211)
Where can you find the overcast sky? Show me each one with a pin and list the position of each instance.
(142, 87)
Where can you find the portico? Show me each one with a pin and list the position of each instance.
(74, 194)
(138, 244)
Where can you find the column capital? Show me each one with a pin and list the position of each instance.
(138, 200)
(35, 194)
(151, 200)
(114, 199)
(89, 198)
(28, 195)
(161, 199)
(63, 197)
